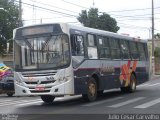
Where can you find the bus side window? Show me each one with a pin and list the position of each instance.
(104, 51)
(141, 51)
(146, 51)
(133, 50)
(92, 48)
(125, 49)
(77, 45)
(115, 49)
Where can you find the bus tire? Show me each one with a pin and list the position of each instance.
(124, 89)
(100, 93)
(91, 90)
(47, 98)
(132, 86)
(10, 94)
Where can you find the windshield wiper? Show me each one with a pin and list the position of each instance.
(47, 40)
(29, 45)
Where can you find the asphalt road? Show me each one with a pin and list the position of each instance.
(146, 100)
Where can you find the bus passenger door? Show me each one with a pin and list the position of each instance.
(77, 48)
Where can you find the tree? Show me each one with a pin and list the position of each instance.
(157, 41)
(94, 20)
(8, 21)
(157, 36)
(157, 52)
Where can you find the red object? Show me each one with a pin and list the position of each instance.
(40, 88)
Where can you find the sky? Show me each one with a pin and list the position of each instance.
(132, 16)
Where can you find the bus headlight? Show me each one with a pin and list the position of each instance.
(63, 79)
(61, 76)
(19, 82)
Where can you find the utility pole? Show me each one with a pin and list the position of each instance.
(93, 3)
(153, 37)
(20, 13)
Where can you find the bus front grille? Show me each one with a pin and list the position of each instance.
(42, 82)
(36, 91)
(38, 74)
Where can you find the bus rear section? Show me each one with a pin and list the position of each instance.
(102, 60)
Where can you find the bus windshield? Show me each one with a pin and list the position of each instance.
(43, 52)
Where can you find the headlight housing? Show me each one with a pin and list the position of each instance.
(61, 76)
(63, 79)
(19, 82)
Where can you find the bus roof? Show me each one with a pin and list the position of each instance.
(91, 30)
(107, 33)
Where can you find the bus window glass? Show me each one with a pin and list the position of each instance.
(77, 45)
(115, 50)
(133, 49)
(141, 51)
(91, 41)
(104, 47)
(125, 49)
(77, 48)
(42, 52)
(92, 48)
(146, 51)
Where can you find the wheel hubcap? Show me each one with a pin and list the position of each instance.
(92, 89)
(133, 85)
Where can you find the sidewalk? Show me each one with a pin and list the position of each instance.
(154, 77)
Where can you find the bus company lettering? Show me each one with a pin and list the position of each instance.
(126, 71)
(107, 69)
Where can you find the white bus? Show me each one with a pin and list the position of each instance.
(53, 60)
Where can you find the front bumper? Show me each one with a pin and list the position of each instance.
(56, 90)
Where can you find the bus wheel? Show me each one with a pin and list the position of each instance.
(47, 98)
(124, 89)
(91, 91)
(100, 93)
(132, 86)
(10, 94)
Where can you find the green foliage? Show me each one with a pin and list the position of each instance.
(157, 49)
(157, 52)
(157, 36)
(8, 21)
(94, 20)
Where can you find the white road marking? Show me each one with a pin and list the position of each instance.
(149, 104)
(18, 102)
(67, 98)
(148, 85)
(154, 84)
(24, 104)
(4, 101)
(56, 99)
(126, 102)
(15, 100)
(142, 85)
(101, 102)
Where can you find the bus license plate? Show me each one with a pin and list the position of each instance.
(40, 88)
